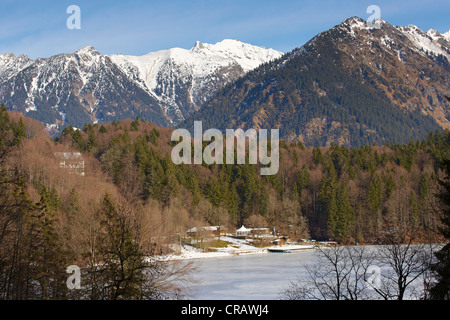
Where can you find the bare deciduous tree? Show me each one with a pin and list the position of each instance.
(343, 273)
(124, 257)
(404, 266)
(338, 274)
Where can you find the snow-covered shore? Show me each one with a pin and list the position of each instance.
(237, 247)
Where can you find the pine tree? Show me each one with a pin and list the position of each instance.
(103, 129)
(5, 125)
(303, 179)
(68, 130)
(153, 137)
(135, 125)
(341, 215)
(20, 132)
(4, 118)
(91, 144)
(47, 257)
(74, 203)
(389, 185)
(78, 140)
(441, 289)
(126, 271)
(317, 155)
(375, 194)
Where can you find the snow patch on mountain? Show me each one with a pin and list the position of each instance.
(10, 65)
(356, 24)
(446, 35)
(88, 86)
(428, 42)
(190, 67)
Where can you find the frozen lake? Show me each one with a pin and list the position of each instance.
(245, 277)
(264, 276)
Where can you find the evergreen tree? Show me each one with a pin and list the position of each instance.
(74, 202)
(47, 257)
(317, 155)
(5, 126)
(389, 185)
(303, 179)
(375, 194)
(441, 289)
(68, 130)
(126, 272)
(91, 144)
(102, 129)
(341, 215)
(4, 119)
(78, 140)
(424, 186)
(135, 125)
(20, 132)
(153, 136)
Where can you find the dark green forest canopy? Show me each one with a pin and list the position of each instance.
(344, 193)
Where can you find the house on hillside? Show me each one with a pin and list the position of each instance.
(207, 231)
(72, 162)
(281, 240)
(260, 231)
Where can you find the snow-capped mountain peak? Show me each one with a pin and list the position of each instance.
(87, 50)
(246, 55)
(86, 86)
(9, 63)
(167, 86)
(446, 35)
(355, 23)
(434, 34)
(182, 79)
(432, 41)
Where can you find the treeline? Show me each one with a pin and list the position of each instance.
(345, 194)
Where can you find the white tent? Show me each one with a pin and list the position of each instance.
(243, 231)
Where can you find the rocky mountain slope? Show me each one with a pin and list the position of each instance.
(350, 85)
(88, 87)
(183, 79)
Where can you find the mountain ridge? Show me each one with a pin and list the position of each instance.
(195, 66)
(88, 87)
(349, 85)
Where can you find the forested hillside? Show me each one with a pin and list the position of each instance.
(346, 194)
(132, 196)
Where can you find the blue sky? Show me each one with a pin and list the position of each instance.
(135, 27)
